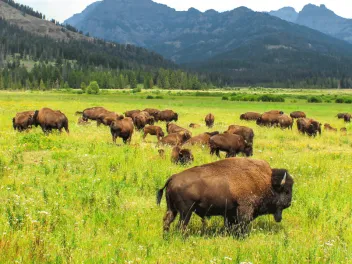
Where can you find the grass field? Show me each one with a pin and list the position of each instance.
(79, 198)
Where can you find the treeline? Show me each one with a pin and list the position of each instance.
(25, 9)
(47, 76)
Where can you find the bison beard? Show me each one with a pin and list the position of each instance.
(238, 189)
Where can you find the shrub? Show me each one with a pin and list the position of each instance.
(225, 98)
(339, 101)
(348, 101)
(136, 90)
(159, 97)
(150, 97)
(314, 99)
(93, 88)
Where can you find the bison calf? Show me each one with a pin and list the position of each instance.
(181, 156)
(239, 189)
(327, 127)
(154, 131)
(23, 121)
(250, 116)
(175, 139)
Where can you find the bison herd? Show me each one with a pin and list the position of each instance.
(239, 189)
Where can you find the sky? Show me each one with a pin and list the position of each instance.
(63, 9)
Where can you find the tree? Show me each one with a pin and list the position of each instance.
(83, 87)
(42, 85)
(93, 88)
(133, 80)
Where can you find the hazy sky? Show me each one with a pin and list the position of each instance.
(62, 9)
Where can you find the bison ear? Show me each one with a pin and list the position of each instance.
(278, 178)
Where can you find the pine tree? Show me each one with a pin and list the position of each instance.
(42, 85)
(83, 87)
(133, 80)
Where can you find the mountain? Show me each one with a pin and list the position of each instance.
(286, 13)
(319, 18)
(78, 18)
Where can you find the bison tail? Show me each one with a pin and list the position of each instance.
(159, 194)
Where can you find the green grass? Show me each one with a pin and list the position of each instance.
(79, 198)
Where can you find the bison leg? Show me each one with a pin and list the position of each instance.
(114, 137)
(144, 136)
(244, 217)
(168, 219)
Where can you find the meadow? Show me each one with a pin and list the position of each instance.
(78, 198)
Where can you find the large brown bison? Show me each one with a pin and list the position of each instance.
(250, 116)
(298, 114)
(153, 112)
(239, 189)
(232, 144)
(181, 156)
(285, 121)
(246, 132)
(269, 119)
(154, 131)
(122, 128)
(275, 112)
(308, 126)
(209, 120)
(328, 127)
(142, 119)
(23, 121)
(107, 118)
(131, 113)
(341, 115)
(202, 139)
(173, 128)
(347, 118)
(92, 113)
(49, 119)
(168, 116)
(175, 139)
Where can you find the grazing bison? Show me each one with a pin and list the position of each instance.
(175, 139)
(246, 132)
(298, 114)
(173, 128)
(232, 144)
(123, 129)
(327, 127)
(49, 119)
(181, 156)
(92, 113)
(209, 120)
(107, 118)
(168, 116)
(23, 121)
(275, 112)
(343, 131)
(153, 112)
(193, 125)
(341, 115)
(347, 118)
(202, 139)
(239, 189)
(285, 121)
(250, 116)
(154, 131)
(308, 126)
(269, 119)
(131, 113)
(142, 119)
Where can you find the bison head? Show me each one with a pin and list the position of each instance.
(242, 117)
(282, 185)
(248, 150)
(34, 119)
(259, 121)
(175, 117)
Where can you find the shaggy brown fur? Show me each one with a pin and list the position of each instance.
(122, 128)
(154, 131)
(209, 120)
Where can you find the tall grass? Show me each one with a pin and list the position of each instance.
(79, 198)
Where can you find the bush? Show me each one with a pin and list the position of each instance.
(159, 97)
(136, 90)
(339, 101)
(225, 98)
(314, 99)
(271, 98)
(150, 97)
(93, 88)
(348, 101)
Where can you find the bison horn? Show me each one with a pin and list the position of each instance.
(284, 179)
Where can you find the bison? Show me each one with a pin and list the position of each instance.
(285, 121)
(23, 121)
(173, 128)
(298, 114)
(122, 128)
(238, 189)
(250, 116)
(131, 113)
(49, 119)
(81, 122)
(327, 127)
(209, 120)
(231, 144)
(341, 115)
(193, 125)
(175, 139)
(202, 139)
(246, 132)
(269, 119)
(142, 119)
(343, 131)
(92, 113)
(153, 112)
(181, 156)
(347, 118)
(107, 118)
(154, 131)
(168, 116)
(308, 126)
